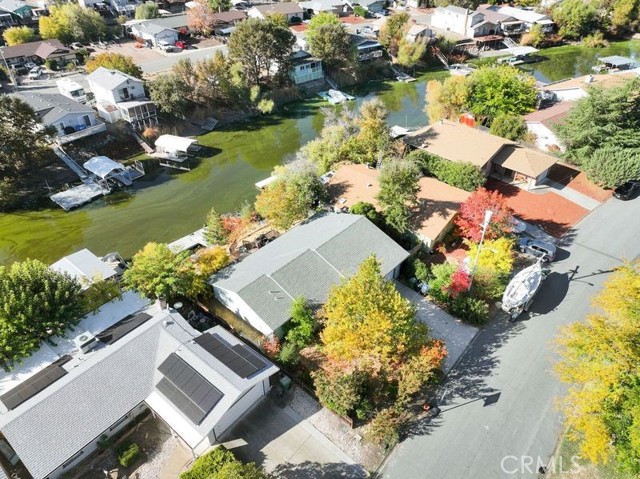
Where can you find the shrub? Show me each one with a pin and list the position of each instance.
(415, 268)
(51, 65)
(441, 280)
(595, 41)
(209, 464)
(460, 282)
(471, 310)
(128, 452)
(359, 11)
(384, 429)
(511, 127)
(302, 324)
(368, 210)
(289, 354)
(105, 442)
(465, 176)
(339, 393)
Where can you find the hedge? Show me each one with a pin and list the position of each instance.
(465, 176)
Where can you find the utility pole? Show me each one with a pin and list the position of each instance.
(9, 70)
(487, 219)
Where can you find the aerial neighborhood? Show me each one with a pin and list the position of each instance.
(319, 239)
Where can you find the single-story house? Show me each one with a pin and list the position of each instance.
(291, 10)
(225, 22)
(541, 124)
(432, 219)
(38, 52)
(576, 88)
(305, 261)
(526, 17)
(152, 33)
(124, 7)
(372, 6)
(305, 68)
(493, 155)
(458, 20)
(123, 359)
(337, 7)
(504, 24)
(86, 267)
(72, 120)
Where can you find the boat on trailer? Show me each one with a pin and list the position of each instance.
(521, 290)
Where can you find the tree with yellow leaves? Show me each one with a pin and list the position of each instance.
(600, 360)
(368, 322)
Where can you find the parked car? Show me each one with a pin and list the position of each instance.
(19, 69)
(182, 45)
(627, 190)
(76, 46)
(35, 73)
(30, 65)
(538, 249)
(166, 46)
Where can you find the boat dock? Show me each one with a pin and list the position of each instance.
(402, 76)
(335, 97)
(79, 195)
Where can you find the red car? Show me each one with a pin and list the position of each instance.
(182, 45)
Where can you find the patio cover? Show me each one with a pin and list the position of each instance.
(516, 51)
(102, 166)
(616, 60)
(174, 143)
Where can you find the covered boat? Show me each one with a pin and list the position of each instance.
(520, 291)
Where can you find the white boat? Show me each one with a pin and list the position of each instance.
(335, 96)
(520, 291)
(460, 69)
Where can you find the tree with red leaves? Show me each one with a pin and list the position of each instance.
(460, 281)
(471, 216)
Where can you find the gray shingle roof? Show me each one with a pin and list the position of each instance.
(53, 106)
(307, 261)
(110, 79)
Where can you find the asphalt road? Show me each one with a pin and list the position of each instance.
(499, 417)
(165, 63)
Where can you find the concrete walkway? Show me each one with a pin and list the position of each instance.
(455, 334)
(570, 194)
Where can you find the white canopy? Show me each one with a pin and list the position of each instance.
(266, 182)
(83, 266)
(517, 51)
(102, 166)
(174, 143)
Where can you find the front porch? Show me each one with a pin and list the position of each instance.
(82, 133)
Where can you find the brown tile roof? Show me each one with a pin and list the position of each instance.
(284, 7)
(550, 116)
(439, 202)
(609, 80)
(457, 142)
(524, 160)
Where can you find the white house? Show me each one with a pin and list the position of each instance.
(291, 10)
(337, 7)
(153, 33)
(541, 124)
(72, 120)
(305, 68)
(527, 17)
(305, 261)
(125, 358)
(575, 88)
(417, 32)
(372, 6)
(463, 22)
(120, 96)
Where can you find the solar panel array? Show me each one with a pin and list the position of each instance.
(192, 394)
(239, 357)
(123, 327)
(33, 385)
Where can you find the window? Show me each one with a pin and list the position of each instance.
(72, 459)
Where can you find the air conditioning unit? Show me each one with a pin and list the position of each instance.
(86, 342)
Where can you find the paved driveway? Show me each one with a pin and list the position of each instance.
(287, 445)
(456, 334)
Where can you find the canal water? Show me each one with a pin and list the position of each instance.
(165, 205)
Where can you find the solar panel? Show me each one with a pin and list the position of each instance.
(123, 327)
(239, 358)
(35, 384)
(192, 394)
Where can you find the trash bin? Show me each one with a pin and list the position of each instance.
(285, 382)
